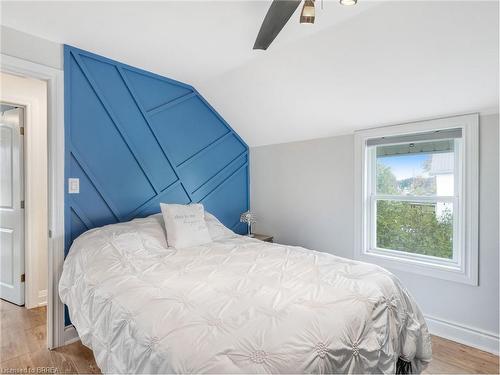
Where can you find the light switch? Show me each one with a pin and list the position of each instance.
(73, 185)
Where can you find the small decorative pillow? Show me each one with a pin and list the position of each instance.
(216, 229)
(185, 225)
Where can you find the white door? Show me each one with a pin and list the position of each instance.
(11, 205)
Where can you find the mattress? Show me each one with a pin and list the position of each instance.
(237, 305)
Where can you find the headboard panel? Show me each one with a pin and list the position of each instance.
(135, 139)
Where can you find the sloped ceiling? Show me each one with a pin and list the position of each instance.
(357, 67)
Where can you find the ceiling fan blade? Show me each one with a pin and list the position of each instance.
(277, 16)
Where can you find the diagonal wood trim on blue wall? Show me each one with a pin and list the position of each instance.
(135, 139)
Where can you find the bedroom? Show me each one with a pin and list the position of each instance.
(358, 141)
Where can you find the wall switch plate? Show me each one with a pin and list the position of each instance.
(73, 185)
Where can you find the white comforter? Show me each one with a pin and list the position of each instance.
(235, 306)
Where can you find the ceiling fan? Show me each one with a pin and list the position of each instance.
(278, 15)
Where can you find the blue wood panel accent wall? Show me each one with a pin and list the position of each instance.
(135, 139)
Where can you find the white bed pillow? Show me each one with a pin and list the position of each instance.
(185, 225)
(217, 230)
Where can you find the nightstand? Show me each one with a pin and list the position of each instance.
(263, 237)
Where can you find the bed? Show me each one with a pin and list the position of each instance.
(236, 305)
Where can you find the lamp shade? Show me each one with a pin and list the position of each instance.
(248, 217)
(308, 13)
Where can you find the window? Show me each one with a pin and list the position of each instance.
(417, 197)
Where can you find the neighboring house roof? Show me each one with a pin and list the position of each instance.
(442, 163)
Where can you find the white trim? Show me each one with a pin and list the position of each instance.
(467, 272)
(70, 335)
(42, 297)
(55, 128)
(477, 338)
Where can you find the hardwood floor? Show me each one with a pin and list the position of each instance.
(450, 357)
(23, 347)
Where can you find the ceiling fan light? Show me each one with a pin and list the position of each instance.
(308, 12)
(348, 2)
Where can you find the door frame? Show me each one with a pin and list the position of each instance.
(55, 147)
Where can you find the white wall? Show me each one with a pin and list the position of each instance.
(302, 193)
(32, 94)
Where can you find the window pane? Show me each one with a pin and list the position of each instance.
(421, 228)
(420, 169)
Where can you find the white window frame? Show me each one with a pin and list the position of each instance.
(464, 267)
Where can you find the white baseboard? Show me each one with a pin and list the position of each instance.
(70, 335)
(477, 338)
(42, 297)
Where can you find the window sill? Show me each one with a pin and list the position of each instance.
(444, 270)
